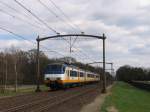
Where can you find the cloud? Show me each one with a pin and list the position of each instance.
(20, 44)
(125, 23)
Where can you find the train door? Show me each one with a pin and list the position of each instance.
(85, 76)
(68, 74)
(78, 75)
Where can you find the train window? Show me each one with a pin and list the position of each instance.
(63, 69)
(73, 73)
(81, 74)
(54, 69)
(91, 75)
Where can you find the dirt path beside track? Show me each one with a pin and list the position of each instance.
(96, 104)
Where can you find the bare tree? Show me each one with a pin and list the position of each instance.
(16, 76)
(6, 74)
(2, 71)
(14, 53)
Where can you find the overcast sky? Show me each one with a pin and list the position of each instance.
(126, 23)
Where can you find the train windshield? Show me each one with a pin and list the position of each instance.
(55, 69)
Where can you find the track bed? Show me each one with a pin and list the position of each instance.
(70, 100)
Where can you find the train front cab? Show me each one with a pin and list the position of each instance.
(53, 76)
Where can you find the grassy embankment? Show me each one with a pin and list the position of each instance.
(11, 92)
(126, 98)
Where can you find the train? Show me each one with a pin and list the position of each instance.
(63, 75)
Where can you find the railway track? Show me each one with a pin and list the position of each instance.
(61, 101)
(28, 105)
(22, 99)
(43, 104)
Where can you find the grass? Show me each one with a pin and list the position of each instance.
(126, 98)
(22, 91)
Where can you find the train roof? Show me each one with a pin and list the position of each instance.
(70, 65)
(64, 63)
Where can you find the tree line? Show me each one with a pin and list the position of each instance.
(128, 73)
(18, 67)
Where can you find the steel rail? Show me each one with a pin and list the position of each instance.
(36, 102)
(20, 107)
(43, 108)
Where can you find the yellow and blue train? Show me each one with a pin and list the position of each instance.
(61, 75)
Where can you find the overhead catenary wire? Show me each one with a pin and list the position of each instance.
(12, 8)
(18, 18)
(66, 16)
(17, 35)
(22, 13)
(48, 50)
(32, 42)
(87, 56)
(21, 37)
(80, 56)
(44, 23)
(56, 15)
(84, 53)
(80, 51)
(67, 19)
(22, 17)
(34, 15)
(74, 41)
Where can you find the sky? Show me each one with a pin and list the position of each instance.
(125, 23)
